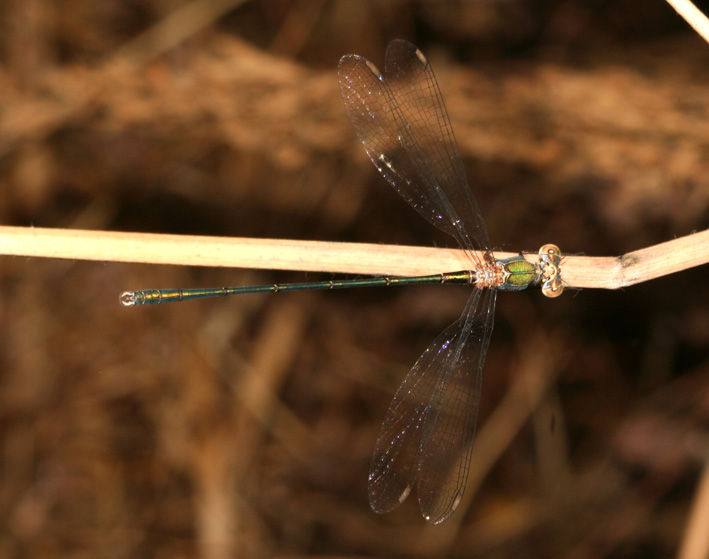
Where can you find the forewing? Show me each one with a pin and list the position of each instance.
(428, 135)
(413, 414)
(447, 441)
(390, 142)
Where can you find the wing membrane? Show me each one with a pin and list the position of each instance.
(427, 434)
(447, 443)
(418, 98)
(402, 123)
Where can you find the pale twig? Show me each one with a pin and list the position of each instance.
(695, 544)
(693, 16)
(351, 258)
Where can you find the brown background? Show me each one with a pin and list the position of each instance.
(244, 427)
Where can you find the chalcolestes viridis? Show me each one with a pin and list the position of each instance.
(427, 435)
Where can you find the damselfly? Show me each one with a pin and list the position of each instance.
(426, 439)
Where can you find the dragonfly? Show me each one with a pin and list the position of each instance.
(426, 439)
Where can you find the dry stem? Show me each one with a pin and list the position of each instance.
(351, 258)
(693, 16)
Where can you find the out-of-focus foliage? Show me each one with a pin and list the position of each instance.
(244, 427)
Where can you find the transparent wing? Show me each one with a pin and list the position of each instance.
(418, 98)
(427, 435)
(447, 442)
(402, 123)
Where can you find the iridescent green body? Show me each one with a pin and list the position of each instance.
(518, 274)
(159, 296)
(508, 274)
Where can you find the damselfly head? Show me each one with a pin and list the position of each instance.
(550, 266)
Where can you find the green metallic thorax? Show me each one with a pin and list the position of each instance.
(517, 273)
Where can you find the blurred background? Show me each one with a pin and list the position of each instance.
(244, 427)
